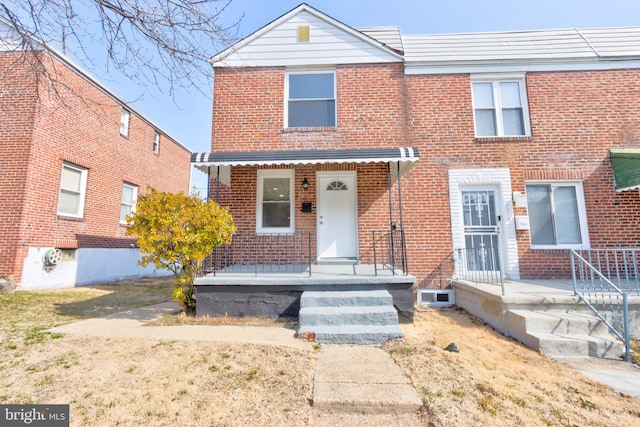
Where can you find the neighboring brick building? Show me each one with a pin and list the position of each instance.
(73, 158)
(513, 130)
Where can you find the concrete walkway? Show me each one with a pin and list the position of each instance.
(347, 378)
(362, 378)
(130, 324)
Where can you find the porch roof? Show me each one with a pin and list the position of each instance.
(626, 168)
(406, 156)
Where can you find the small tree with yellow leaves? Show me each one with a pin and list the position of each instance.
(177, 232)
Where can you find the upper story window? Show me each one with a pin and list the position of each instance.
(156, 142)
(124, 123)
(128, 202)
(500, 107)
(73, 186)
(557, 215)
(275, 201)
(311, 99)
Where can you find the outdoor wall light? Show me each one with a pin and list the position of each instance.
(305, 183)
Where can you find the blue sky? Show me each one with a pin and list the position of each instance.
(188, 119)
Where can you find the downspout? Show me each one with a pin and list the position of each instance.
(208, 183)
(218, 185)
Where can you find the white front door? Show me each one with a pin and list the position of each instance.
(337, 216)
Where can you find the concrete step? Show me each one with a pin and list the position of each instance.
(359, 315)
(345, 298)
(576, 345)
(352, 334)
(559, 333)
(560, 322)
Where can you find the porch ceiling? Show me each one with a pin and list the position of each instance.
(626, 168)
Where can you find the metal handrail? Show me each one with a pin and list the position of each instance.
(601, 295)
(390, 251)
(262, 253)
(480, 265)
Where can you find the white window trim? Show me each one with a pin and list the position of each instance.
(125, 119)
(275, 173)
(582, 214)
(156, 142)
(83, 190)
(134, 201)
(310, 71)
(497, 78)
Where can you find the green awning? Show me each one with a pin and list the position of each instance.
(626, 168)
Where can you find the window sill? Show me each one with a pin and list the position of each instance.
(310, 129)
(502, 138)
(70, 218)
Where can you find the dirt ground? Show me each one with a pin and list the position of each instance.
(492, 381)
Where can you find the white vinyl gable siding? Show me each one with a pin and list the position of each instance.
(329, 44)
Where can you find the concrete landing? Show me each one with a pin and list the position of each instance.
(361, 379)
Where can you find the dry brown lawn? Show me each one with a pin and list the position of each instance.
(492, 381)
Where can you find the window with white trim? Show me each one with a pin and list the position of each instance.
(124, 122)
(73, 186)
(557, 215)
(128, 201)
(311, 99)
(500, 107)
(275, 201)
(156, 142)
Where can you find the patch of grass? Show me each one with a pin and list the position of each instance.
(252, 374)
(213, 368)
(27, 315)
(176, 319)
(403, 351)
(488, 404)
(458, 393)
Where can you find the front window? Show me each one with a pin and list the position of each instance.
(557, 215)
(73, 185)
(275, 201)
(311, 99)
(499, 108)
(128, 202)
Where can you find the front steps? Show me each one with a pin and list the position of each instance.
(348, 317)
(558, 333)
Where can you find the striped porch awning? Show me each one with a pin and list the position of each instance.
(626, 168)
(404, 156)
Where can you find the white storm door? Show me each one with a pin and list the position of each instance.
(337, 216)
(481, 230)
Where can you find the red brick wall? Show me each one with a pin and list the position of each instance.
(17, 110)
(576, 117)
(248, 115)
(80, 124)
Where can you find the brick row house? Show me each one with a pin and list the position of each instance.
(504, 141)
(74, 157)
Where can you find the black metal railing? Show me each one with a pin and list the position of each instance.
(262, 253)
(480, 265)
(602, 279)
(390, 251)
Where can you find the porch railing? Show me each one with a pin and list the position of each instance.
(480, 265)
(602, 279)
(262, 253)
(390, 251)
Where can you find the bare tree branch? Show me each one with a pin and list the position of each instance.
(161, 42)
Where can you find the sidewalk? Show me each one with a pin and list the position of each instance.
(130, 324)
(345, 376)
